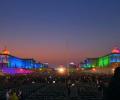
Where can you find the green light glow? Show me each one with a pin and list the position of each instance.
(104, 61)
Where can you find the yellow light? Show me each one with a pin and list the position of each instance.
(61, 70)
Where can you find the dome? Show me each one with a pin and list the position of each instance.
(116, 50)
(5, 51)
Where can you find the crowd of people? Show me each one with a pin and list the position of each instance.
(13, 95)
(108, 85)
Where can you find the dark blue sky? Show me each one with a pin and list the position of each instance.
(59, 31)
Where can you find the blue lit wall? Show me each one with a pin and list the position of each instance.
(28, 63)
(90, 63)
(87, 64)
(114, 58)
(14, 62)
(38, 65)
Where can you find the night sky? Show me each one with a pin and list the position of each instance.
(59, 31)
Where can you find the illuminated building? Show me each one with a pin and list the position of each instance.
(9, 61)
(72, 65)
(103, 61)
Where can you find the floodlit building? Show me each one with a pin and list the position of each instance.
(109, 60)
(9, 61)
(72, 65)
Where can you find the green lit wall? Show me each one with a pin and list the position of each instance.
(103, 61)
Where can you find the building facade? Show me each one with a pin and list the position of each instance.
(9, 61)
(103, 61)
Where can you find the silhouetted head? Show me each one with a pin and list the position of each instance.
(117, 72)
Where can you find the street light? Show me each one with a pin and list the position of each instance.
(61, 70)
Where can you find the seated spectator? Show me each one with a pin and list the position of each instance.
(8, 94)
(13, 96)
(113, 92)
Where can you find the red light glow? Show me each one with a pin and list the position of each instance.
(116, 50)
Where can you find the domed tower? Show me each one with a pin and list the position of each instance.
(5, 51)
(4, 55)
(116, 50)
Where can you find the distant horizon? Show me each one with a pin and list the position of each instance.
(53, 65)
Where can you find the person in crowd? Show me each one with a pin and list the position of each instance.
(78, 87)
(73, 90)
(8, 94)
(20, 94)
(13, 96)
(113, 91)
(68, 85)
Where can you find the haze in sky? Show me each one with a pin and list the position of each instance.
(59, 31)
